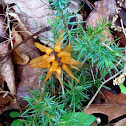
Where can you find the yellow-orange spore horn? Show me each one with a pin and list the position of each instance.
(43, 48)
(67, 70)
(51, 70)
(70, 60)
(40, 65)
(68, 48)
(73, 67)
(58, 74)
(38, 59)
(59, 41)
(63, 54)
(50, 59)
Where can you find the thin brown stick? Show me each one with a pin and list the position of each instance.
(5, 45)
(112, 77)
(25, 40)
(89, 3)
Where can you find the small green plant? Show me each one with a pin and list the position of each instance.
(16, 122)
(91, 48)
(56, 106)
(47, 111)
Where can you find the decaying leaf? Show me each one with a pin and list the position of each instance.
(122, 39)
(7, 70)
(4, 102)
(26, 78)
(113, 105)
(121, 122)
(32, 16)
(19, 58)
(6, 67)
(111, 98)
(111, 110)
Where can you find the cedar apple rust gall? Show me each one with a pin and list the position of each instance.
(56, 60)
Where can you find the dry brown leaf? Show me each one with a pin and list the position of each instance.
(114, 105)
(6, 67)
(4, 102)
(111, 110)
(122, 39)
(7, 70)
(121, 122)
(111, 98)
(19, 58)
(32, 15)
(27, 78)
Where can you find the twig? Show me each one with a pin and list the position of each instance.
(119, 62)
(89, 3)
(25, 40)
(123, 27)
(125, 61)
(8, 25)
(5, 45)
(63, 97)
(92, 74)
(113, 50)
(100, 89)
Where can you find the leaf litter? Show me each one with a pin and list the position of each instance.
(15, 71)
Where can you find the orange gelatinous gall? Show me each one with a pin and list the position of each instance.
(50, 59)
(59, 41)
(70, 60)
(64, 54)
(41, 65)
(58, 74)
(51, 70)
(67, 70)
(43, 48)
(73, 67)
(68, 48)
(38, 59)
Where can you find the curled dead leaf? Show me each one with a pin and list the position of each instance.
(19, 58)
